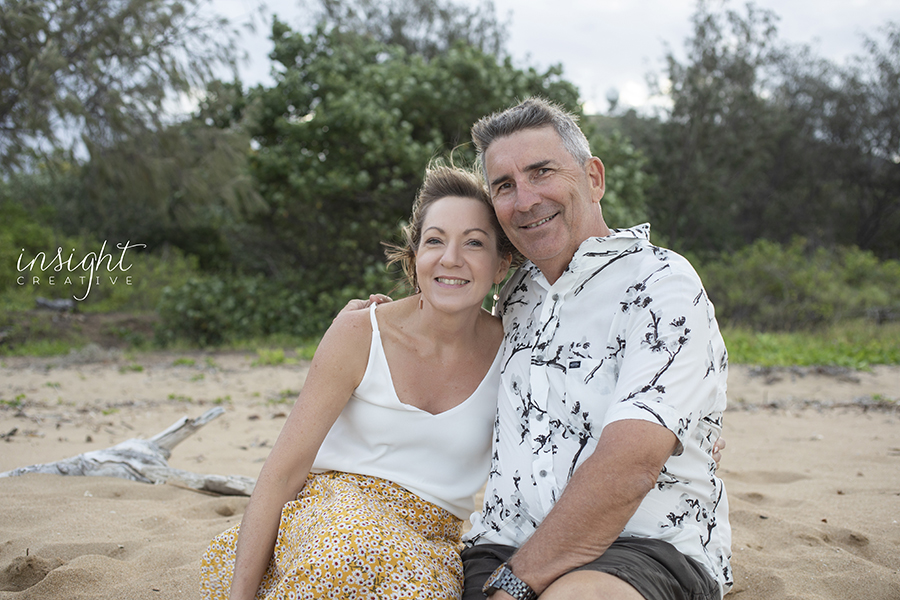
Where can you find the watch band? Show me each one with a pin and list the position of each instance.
(504, 579)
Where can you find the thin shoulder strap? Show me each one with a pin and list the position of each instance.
(372, 316)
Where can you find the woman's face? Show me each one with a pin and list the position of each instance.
(457, 260)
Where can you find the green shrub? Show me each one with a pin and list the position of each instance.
(767, 286)
(19, 232)
(215, 310)
(149, 274)
(137, 286)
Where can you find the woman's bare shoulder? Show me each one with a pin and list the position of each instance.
(345, 345)
(348, 321)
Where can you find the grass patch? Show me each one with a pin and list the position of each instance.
(854, 345)
(48, 333)
(283, 397)
(271, 357)
(306, 350)
(17, 403)
(278, 356)
(43, 348)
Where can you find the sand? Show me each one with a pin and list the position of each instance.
(812, 469)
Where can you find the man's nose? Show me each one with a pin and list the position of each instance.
(527, 196)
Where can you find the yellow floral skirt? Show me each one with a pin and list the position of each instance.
(350, 536)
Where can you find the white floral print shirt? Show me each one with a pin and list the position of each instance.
(626, 332)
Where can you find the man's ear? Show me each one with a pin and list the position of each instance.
(596, 173)
(505, 263)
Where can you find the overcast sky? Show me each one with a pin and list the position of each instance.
(605, 44)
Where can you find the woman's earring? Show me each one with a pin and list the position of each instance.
(495, 297)
(421, 301)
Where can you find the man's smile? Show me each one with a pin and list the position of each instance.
(539, 223)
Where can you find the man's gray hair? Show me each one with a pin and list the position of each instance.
(532, 113)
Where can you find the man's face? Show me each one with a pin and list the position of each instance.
(546, 202)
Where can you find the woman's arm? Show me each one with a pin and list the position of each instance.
(336, 370)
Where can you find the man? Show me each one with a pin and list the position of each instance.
(612, 391)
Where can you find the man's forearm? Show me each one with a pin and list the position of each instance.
(603, 494)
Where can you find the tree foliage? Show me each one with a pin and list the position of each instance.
(709, 153)
(627, 177)
(424, 27)
(185, 185)
(860, 120)
(98, 68)
(344, 135)
(765, 140)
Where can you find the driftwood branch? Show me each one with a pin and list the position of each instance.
(146, 461)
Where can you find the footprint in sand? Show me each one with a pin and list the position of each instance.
(763, 477)
(228, 506)
(754, 497)
(26, 571)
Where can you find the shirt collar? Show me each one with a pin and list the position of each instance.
(595, 249)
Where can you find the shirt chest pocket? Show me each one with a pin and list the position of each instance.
(588, 387)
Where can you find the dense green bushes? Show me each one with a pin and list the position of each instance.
(214, 310)
(767, 286)
(764, 287)
(138, 287)
(278, 196)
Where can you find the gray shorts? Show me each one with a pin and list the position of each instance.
(653, 567)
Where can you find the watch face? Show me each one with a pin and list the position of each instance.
(504, 579)
(491, 584)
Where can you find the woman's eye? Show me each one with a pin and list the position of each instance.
(477, 243)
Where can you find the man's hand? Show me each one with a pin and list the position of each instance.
(359, 303)
(599, 499)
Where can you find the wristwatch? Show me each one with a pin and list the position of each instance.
(504, 579)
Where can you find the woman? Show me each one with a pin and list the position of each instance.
(390, 437)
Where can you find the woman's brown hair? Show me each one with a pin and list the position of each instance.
(440, 182)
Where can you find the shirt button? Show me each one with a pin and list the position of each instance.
(543, 473)
(540, 417)
(555, 297)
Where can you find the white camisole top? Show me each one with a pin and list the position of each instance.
(443, 458)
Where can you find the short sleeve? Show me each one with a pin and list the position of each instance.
(668, 375)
